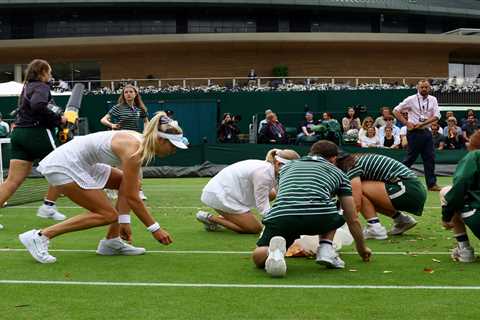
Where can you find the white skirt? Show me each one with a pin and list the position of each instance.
(222, 202)
(91, 177)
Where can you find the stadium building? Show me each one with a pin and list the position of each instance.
(154, 39)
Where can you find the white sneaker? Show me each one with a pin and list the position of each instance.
(326, 255)
(116, 246)
(37, 246)
(142, 195)
(111, 194)
(204, 217)
(1, 226)
(463, 255)
(375, 231)
(50, 212)
(406, 223)
(275, 264)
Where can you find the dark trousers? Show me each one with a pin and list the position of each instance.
(420, 142)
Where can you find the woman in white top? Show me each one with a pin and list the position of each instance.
(371, 140)
(366, 123)
(238, 188)
(81, 168)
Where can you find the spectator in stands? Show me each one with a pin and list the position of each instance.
(370, 140)
(438, 138)
(273, 131)
(388, 124)
(334, 130)
(252, 75)
(63, 85)
(228, 131)
(350, 121)
(470, 127)
(443, 122)
(4, 127)
(367, 123)
(403, 133)
(389, 140)
(305, 128)
(381, 120)
(467, 114)
(263, 122)
(453, 140)
(452, 123)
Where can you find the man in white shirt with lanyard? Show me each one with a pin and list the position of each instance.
(422, 111)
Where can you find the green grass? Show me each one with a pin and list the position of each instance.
(174, 202)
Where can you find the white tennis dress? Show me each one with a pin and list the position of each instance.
(240, 187)
(86, 160)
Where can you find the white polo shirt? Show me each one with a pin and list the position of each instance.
(418, 108)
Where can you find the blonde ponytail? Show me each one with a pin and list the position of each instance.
(270, 157)
(159, 123)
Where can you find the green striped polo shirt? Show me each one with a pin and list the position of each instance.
(377, 167)
(128, 117)
(308, 186)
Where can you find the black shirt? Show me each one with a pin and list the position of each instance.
(33, 110)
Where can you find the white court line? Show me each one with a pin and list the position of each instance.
(233, 285)
(400, 253)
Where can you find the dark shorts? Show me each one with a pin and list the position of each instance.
(292, 227)
(472, 220)
(30, 144)
(407, 195)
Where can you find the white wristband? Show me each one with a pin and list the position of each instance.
(124, 218)
(154, 227)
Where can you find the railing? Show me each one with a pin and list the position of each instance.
(448, 91)
(354, 81)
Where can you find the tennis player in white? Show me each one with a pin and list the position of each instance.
(238, 188)
(81, 168)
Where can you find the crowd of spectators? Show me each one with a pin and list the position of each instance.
(383, 132)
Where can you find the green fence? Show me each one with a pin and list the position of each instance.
(245, 104)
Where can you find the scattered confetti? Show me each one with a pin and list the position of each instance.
(428, 270)
(436, 260)
(387, 271)
(352, 270)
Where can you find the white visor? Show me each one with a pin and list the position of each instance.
(178, 140)
(282, 160)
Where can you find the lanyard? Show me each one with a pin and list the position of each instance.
(421, 106)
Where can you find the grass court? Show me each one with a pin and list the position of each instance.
(209, 275)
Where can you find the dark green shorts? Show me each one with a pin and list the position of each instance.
(32, 144)
(472, 220)
(292, 227)
(407, 195)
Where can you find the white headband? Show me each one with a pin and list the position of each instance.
(178, 140)
(282, 160)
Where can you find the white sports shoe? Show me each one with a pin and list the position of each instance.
(37, 246)
(275, 264)
(142, 195)
(463, 255)
(204, 217)
(1, 226)
(406, 223)
(50, 212)
(375, 231)
(326, 255)
(116, 246)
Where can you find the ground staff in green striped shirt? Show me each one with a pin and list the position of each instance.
(385, 185)
(306, 204)
(461, 201)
